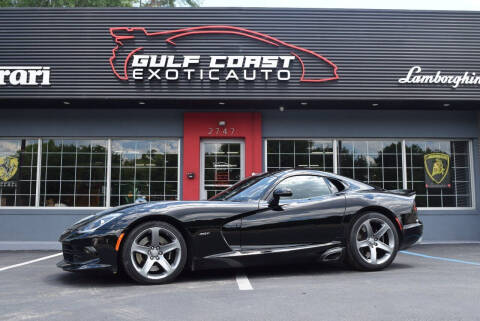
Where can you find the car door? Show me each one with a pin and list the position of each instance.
(312, 215)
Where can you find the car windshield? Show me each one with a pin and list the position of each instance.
(249, 189)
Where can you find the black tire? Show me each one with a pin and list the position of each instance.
(131, 261)
(358, 258)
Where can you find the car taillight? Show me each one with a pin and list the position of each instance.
(414, 209)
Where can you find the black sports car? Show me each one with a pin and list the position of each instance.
(281, 217)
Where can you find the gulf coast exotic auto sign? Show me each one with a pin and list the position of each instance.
(157, 56)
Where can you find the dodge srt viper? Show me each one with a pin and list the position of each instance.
(281, 217)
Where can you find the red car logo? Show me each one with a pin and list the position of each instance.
(326, 71)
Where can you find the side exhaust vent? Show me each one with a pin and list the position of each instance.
(333, 254)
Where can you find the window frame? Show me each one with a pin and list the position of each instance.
(403, 158)
(109, 139)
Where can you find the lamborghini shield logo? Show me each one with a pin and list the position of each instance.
(8, 168)
(437, 170)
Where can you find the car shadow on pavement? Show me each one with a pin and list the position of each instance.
(106, 279)
(310, 269)
(87, 279)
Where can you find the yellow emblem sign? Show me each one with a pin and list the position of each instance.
(437, 166)
(8, 167)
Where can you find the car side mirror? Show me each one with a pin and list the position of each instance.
(279, 192)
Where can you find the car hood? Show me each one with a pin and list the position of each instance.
(86, 220)
(125, 210)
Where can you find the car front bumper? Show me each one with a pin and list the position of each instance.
(92, 251)
(411, 234)
(83, 266)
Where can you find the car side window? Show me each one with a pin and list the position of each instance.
(333, 188)
(305, 186)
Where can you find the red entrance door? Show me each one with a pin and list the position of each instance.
(198, 127)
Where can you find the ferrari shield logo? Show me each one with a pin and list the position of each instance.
(437, 170)
(8, 168)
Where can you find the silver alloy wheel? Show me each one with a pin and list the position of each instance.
(155, 253)
(375, 241)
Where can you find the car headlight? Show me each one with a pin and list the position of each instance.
(84, 219)
(92, 226)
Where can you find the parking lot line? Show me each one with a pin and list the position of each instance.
(439, 258)
(243, 282)
(29, 262)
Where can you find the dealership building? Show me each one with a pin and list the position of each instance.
(103, 107)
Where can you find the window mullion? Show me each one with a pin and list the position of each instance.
(473, 202)
(109, 172)
(404, 164)
(39, 173)
(335, 156)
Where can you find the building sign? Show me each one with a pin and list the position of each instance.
(159, 56)
(415, 76)
(8, 171)
(24, 76)
(219, 67)
(437, 170)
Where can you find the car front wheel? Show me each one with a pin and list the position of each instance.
(154, 253)
(373, 242)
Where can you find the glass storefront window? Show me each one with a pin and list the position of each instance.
(18, 171)
(298, 153)
(457, 193)
(73, 173)
(144, 169)
(375, 162)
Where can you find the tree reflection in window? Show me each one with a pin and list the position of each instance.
(299, 153)
(376, 162)
(73, 172)
(144, 169)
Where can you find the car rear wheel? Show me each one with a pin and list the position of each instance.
(154, 253)
(373, 242)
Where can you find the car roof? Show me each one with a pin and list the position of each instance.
(299, 171)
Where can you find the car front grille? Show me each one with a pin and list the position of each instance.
(68, 252)
(76, 254)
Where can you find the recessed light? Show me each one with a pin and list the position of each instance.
(374, 105)
(221, 103)
(446, 105)
(281, 108)
(66, 103)
(141, 103)
(304, 103)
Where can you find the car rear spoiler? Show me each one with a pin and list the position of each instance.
(403, 192)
